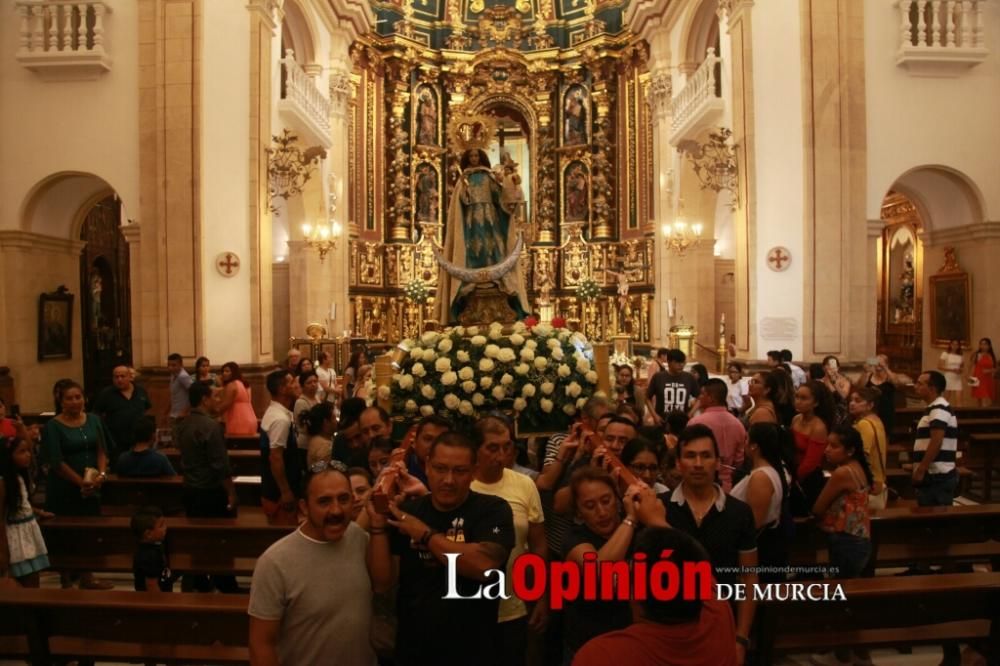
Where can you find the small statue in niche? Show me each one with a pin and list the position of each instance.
(903, 312)
(622, 275)
(96, 292)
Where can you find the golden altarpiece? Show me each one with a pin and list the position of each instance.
(567, 87)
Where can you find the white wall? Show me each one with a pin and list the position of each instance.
(225, 187)
(777, 80)
(83, 126)
(915, 121)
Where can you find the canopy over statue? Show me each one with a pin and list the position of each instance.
(480, 280)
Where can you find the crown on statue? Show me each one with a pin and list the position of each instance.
(471, 132)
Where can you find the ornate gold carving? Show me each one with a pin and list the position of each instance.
(487, 304)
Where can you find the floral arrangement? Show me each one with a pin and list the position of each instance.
(587, 289)
(543, 374)
(416, 292)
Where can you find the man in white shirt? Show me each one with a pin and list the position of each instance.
(285, 461)
(935, 447)
(798, 374)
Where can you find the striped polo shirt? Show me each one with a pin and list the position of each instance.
(938, 415)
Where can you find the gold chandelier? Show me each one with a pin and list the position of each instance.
(681, 236)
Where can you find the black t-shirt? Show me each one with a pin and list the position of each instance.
(150, 561)
(433, 630)
(672, 392)
(724, 534)
(587, 619)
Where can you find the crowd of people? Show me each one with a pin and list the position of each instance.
(720, 468)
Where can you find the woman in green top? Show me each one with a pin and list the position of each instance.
(73, 441)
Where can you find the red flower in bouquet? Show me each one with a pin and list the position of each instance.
(531, 322)
(559, 322)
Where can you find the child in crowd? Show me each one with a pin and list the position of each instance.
(22, 549)
(149, 564)
(142, 459)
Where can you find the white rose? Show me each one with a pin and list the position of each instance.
(468, 387)
(499, 393)
(418, 370)
(492, 351)
(531, 344)
(459, 331)
(430, 338)
(564, 370)
(496, 332)
(383, 392)
(507, 379)
(527, 355)
(578, 338)
(580, 403)
(519, 327)
(541, 362)
(542, 330)
(557, 354)
(507, 355)
(462, 356)
(445, 345)
(465, 408)
(478, 399)
(517, 339)
(486, 365)
(406, 382)
(522, 369)
(411, 406)
(478, 340)
(574, 390)
(426, 410)
(428, 391)
(569, 408)
(442, 364)
(486, 382)
(564, 335)
(552, 343)
(520, 404)
(451, 401)
(472, 331)
(466, 373)
(546, 405)
(416, 353)
(547, 388)
(429, 355)
(528, 390)
(591, 376)
(449, 378)
(583, 365)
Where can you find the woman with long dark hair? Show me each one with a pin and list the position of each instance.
(234, 403)
(203, 373)
(984, 367)
(761, 389)
(873, 436)
(358, 359)
(645, 458)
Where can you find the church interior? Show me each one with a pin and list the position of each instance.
(241, 180)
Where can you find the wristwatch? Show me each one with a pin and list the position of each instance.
(629, 522)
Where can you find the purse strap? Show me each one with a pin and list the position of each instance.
(878, 446)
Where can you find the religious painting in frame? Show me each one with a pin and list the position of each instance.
(55, 325)
(950, 308)
(426, 193)
(426, 116)
(576, 192)
(576, 115)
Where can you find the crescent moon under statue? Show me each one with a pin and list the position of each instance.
(487, 274)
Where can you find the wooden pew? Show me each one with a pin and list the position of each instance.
(243, 442)
(893, 611)
(243, 462)
(986, 444)
(165, 492)
(44, 625)
(200, 545)
(907, 535)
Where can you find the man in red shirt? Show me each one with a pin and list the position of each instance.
(668, 633)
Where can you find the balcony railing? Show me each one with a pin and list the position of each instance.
(699, 104)
(302, 103)
(61, 39)
(941, 37)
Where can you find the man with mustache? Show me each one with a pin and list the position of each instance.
(451, 520)
(311, 595)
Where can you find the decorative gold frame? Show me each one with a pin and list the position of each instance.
(952, 285)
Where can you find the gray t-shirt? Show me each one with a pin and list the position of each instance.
(322, 594)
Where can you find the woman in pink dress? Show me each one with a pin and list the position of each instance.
(984, 366)
(234, 403)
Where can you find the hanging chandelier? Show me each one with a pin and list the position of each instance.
(289, 167)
